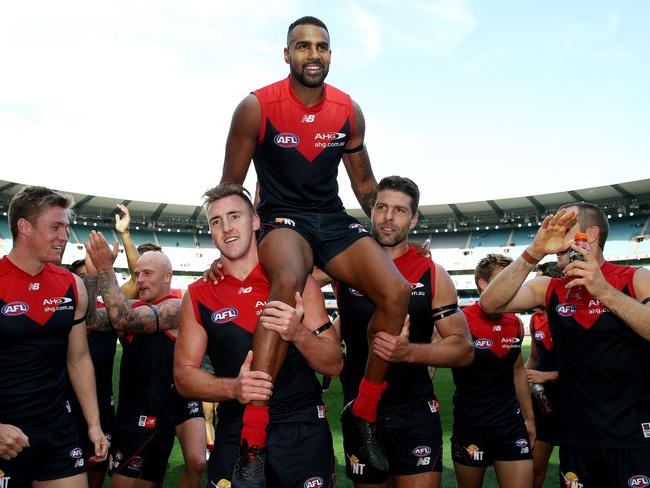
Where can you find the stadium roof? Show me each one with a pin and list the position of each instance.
(622, 197)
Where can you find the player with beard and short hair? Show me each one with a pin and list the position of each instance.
(222, 321)
(601, 343)
(43, 350)
(408, 418)
(297, 131)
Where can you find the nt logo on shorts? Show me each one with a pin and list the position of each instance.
(4, 480)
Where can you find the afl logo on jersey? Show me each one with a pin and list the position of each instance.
(565, 309)
(286, 139)
(539, 335)
(15, 308)
(483, 343)
(638, 481)
(421, 451)
(224, 315)
(315, 482)
(354, 292)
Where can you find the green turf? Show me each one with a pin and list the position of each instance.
(444, 387)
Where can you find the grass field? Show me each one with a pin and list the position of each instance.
(444, 388)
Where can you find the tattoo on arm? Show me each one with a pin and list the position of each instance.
(95, 319)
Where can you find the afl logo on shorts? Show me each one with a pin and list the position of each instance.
(286, 139)
(421, 451)
(483, 343)
(76, 453)
(224, 315)
(315, 482)
(15, 308)
(565, 309)
(521, 443)
(638, 481)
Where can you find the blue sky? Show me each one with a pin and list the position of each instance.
(472, 99)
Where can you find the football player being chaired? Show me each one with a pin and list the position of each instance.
(43, 349)
(491, 396)
(599, 317)
(296, 131)
(222, 321)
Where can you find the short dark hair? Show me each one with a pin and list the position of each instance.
(549, 268)
(31, 202)
(75, 265)
(401, 184)
(590, 215)
(487, 265)
(306, 20)
(224, 190)
(148, 246)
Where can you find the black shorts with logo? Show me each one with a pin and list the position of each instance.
(51, 455)
(604, 467)
(479, 446)
(107, 421)
(141, 455)
(300, 453)
(185, 409)
(327, 234)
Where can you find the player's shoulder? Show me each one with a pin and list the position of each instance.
(276, 91)
(59, 271)
(335, 95)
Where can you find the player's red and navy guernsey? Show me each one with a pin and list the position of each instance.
(408, 419)
(546, 426)
(36, 316)
(488, 424)
(298, 152)
(604, 388)
(298, 437)
(148, 405)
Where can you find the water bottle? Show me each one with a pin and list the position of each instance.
(542, 400)
(578, 294)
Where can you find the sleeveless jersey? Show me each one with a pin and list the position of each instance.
(147, 394)
(485, 390)
(604, 373)
(229, 315)
(408, 384)
(299, 149)
(546, 360)
(37, 314)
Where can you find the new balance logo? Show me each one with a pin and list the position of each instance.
(282, 220)
(243, 290)
(308, 118)
(33, 286)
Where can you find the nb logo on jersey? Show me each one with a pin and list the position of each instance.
(33, 286)
(224, 315)
(315, 482)
(286, 139)
(243, 290)
(285, 221)
(496, 328)
(309, 118)
(15, 308)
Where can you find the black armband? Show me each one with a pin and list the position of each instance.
(354, 149)
(155, 313)
(445, 311)
(323, 328)
(79, 320)
(645, 300)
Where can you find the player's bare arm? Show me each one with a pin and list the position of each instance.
(357, 164)
(505, 292)
(242, 139)
(535, 376)
(194, 382)
(82, 376)
(523, 397)
(632, 311)
(453, 345)
(307, 326)
(122, 224)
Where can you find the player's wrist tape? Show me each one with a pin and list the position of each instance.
(78, 321)
(323, 328)
(354, 149)
(445, 311)
(529, 258)
(155, 314)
